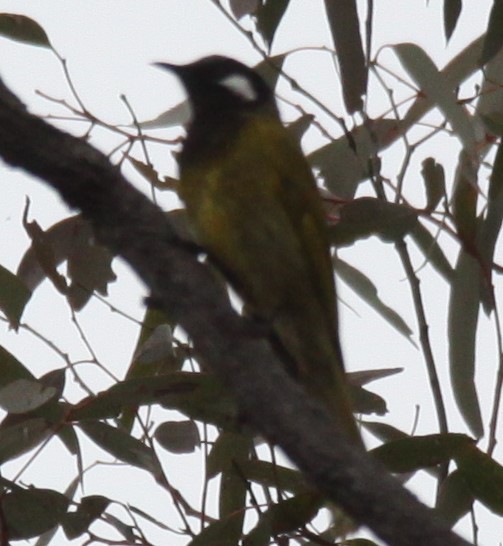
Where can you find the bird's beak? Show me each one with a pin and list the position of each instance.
(165, 66)
(176, 68)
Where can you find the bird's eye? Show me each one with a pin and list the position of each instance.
(240, 86)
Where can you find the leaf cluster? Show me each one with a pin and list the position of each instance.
(165, 373)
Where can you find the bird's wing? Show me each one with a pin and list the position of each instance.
(258, 214)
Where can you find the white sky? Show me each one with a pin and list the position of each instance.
(109, 46)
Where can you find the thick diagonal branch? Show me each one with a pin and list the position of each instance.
(138, 230)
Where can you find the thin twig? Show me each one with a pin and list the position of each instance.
(424, 338)
(493, 426)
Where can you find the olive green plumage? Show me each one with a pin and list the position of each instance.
(252, 200)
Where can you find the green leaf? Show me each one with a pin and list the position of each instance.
(462, 330)
(28, 513)
(438, 89)
(368, 216)
(363, 377)
(147, 171)
(14, 295)
(12, 369)
(459, 69)
(491, 224)
(78, 522)
(464, 199)
(200, 396)
(490, 103)
(220, 457)
(383, 431)
(284, 517)
(269, 17)
(70, 440)
(228, 456)
(174, 117)
(300, 126)
(240, 8)
(455, 499)
(47, 537)
(432, 251)
(29, 397)
(205, 399)
(434, 182)
(153, 355)
(217, 533)
(23, 395)
(154, 351)
(367, 290)
(233, 488)
(452, 10)
(273, 475)
(418, 452)
(23, 29)
(364, 401)
(148, 517)
(121, 445)
(367, 402)
(387, 433)
(342, 18)
(71, 240)
(21, 437)
(493, 122)
(494, 36)
(484, 477)
(56, 379)
(126, 530)
(178, 436)
(270, 69)
(344, 164)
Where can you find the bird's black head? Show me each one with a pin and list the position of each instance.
(217, 85)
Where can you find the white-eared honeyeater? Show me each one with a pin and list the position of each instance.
(252, 200)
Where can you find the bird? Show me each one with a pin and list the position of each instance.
(252, 200)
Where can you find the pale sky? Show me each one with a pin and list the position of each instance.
(109, 47)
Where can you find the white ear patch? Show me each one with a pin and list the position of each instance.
(241, 86)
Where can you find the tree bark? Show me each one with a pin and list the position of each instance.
(135, 228)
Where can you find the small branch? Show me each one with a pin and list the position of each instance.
(424, 337)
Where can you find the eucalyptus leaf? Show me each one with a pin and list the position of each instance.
(23, 29)
(438, 89)
(121, 445)
(483, 476)
(28, 513)
(452, 11)
(494, 35)
(462, 329)
(342, 18)
(367, 290)
(14, 296)
(418, 452)
(455, 499)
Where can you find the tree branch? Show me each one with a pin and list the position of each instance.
(270, 400)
